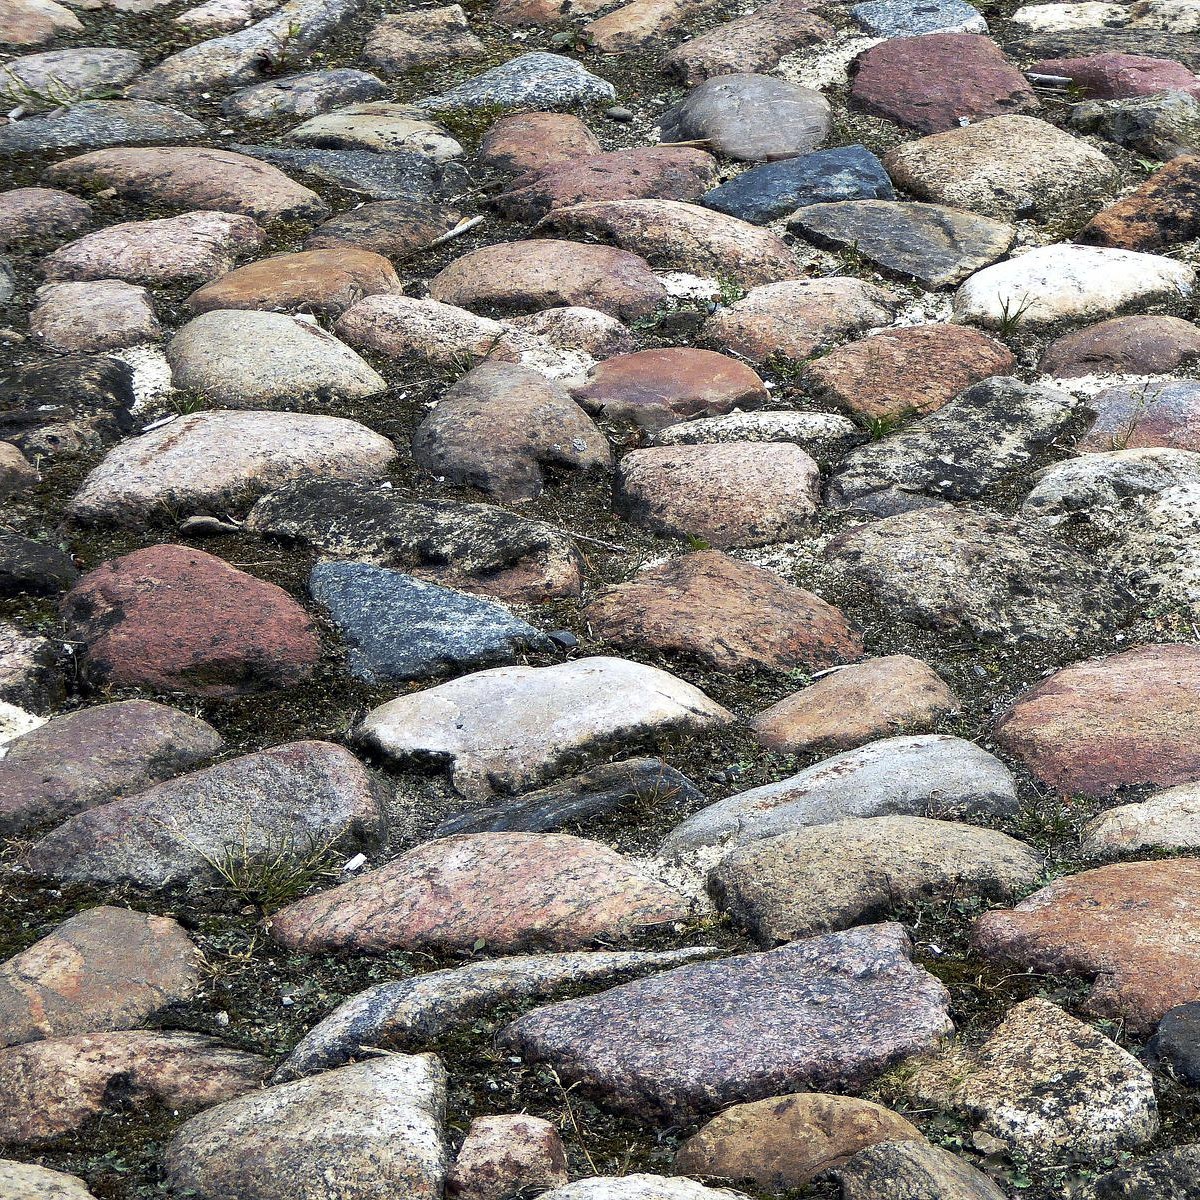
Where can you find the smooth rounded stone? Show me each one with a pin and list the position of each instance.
(754, 42)
(192, 248)
(909, 1170)
(327, 282)
(912, 18)
(634, 173)
(501, 1156)
(1007, 167)
(913, 369)
(816, 432)
(935, 81)
(303, 95)
(881, 697)
(33, 218)
(1158, 127)
(224, 16)
(398, 627)
(578, 328)
(397, 229)
(1130, 928)
(32, 22)
(217, 459)
(89, 757)
(32, 568)
(657, 388)
(179, 620)
(376, 1127)
(93, 124)
(31, 670)
(378, 125)
(1124, 346)
(776, 189)
(52, 1088)
(274, 805)
(635, 25)
(835, 875)
(512, 727)
(1144, 415)
(936, 246)
(511, 891)
(737, 494)
(828, 1011)
(533, 81)
(1047, 1085)
(408, 1013)
(798, 317)
(543, 273)
(500, 426)
(1066, 18)
(192, 177)
(536, 141)
(1169, 820)
(53, 77)
(639, 1187)
(638, 784)
(787, 1141)
(1176, 1045)
(412, 41)
(971, 444)
(1168, 1175)
(1131, 718)
(93, 316)
(25, 1181)
(1159, 213)
(728, 614)
(104, 968)
(927, 775)
(754, 118)
(220, 355)
(475, 547)
(975, 573)
(16, 473)
(683, 237)
(1118, 76)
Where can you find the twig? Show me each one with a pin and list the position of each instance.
(465, 224)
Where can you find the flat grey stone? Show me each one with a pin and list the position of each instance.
(911, 18)
(8, 281)
(95, 124)
(537, 81)
(913, 1171)
(55, 78)
(303, 95)
(1161, 127)
(1172, 1174)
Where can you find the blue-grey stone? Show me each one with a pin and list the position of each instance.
(538, 80)
(95, 124)
(8, 281)
(911, 18)
(778, 188)
(398, 627)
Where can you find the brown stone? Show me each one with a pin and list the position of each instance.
(632, 26)
(414, 40)
(797, 317)
(177, 619)
(913, 369)
(396, 229)
(879, 698)
(544, 273)
(32, 22)
(33, 218)
(1132, 928)
(537, 141)
(933, 82)
(726, 613)
(1124, 345)
(1164, 211)
(1133, 416)
(25, 1181)
(51, 1088)
(636, 173)
(786, 1141)
(16, 472)
(94, 316)
(683, 237)
(320, 281)
(506, 1156)
(542, 12)
(657, 388)
(1132, 718)
(1120, 76)
(512, 891)
(105, 968)
(193, 177)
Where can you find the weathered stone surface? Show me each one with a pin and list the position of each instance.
(16, 473)
(784, 1017)
(93, 755)
(641, 22)
(224, 16)
(35, 217)
(1159, 127)
(1176, 1044)
(1144, 415)
(33, 22)
(52, 1088)
(787, 1141)
(413, 40)
(536, 141)
(1162, 212)
(637, 1187)
(932, 82)
(1005, 167)
(77, 74)
(376, 1127)
(1168, 1175)
(657, 388)
(881, 697)
(911, 1170)
(379, 125)
(728, 614)
(682, 237)
(513, 891)
(104, 968)
(1124, 346)
(930, 775)
(750, 117)
(1159, 553)
(1131, 718)
(797, 317)
(1170, 820)
(30, 669)
(180, 620)
(500, 426)
(192, 178)
(738, 494)
(303, 95)
(1131, 928)
(510, 727)
(397, 229)
(94, 316)
(32, 568)
(1118, 76)
(504, 1155)
(94, 124)
(530, 81)
(223, 459)
(409, 1013)
(816, 432)
(904, 18)
(835, 875)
